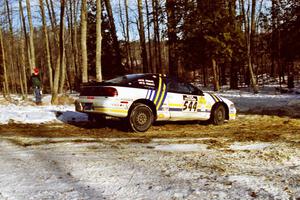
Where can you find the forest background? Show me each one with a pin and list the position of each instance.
(238, 43)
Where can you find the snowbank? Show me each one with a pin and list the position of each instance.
(264, 103)
(26, 112)
(39, 114)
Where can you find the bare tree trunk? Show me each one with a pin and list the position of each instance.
(53, 38)
(22, 86)
(172, 38)
(249, 31)
(11, 51)
(150, 67)
(233, 66)
(124, 34)
(53, 21)
(56, 82)
(157, 30)
(204, 72)
(290, 81)
(156, 36)
(115, 41)
(215, 73)
(273, 40)
(62, 47)
(23, 78)
(60, 60)
(83, 41)
(63, 71)
(251, 47)
(99, 42)
(78, 69)
(7, 92)
(50, 13)
(246, 32)
(48, 53)
(32, 49)
(142, 37)
(72, 22)
(72, 61)
(128, 48)
(26, 46)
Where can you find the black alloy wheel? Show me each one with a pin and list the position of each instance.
(141, 118)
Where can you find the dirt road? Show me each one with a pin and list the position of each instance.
(253, 157)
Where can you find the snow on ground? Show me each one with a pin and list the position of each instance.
(255, 146)
(28, 113)
(180, 147)
(267, 102)
(108, 169)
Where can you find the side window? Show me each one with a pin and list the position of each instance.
(144, 82)
(185, 88)
(194, 90)
(172, 86)
(177, 87)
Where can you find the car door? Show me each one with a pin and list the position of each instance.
(184, 100)
(156, 91)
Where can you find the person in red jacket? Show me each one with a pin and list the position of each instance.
(36, 86)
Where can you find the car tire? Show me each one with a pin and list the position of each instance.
(218, 115)
(140, 118)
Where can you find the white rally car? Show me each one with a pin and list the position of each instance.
(145, 98)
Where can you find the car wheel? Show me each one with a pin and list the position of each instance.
(218, 115)
(140, 118)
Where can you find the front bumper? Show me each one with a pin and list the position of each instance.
(232, 113)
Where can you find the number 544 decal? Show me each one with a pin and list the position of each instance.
(190, 103)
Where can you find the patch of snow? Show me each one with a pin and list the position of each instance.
(22, 111)
(259, 186)
(267, 102)
(88, 170)
(72, 116)
(39, 114)
(294, 102)
(255, 146)
(181, 147)
(169, 140)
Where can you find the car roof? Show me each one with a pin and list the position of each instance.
(132, 77)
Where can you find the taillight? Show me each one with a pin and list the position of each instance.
(109, 92)
(91, 92)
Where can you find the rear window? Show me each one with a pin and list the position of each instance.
(124, 80)
(146, 81)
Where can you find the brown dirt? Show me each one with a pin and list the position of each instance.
(244, 129)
